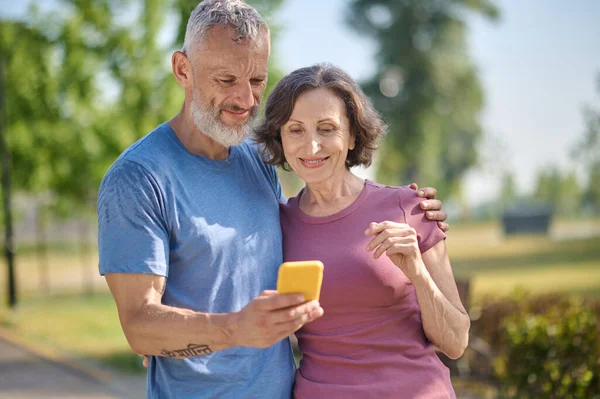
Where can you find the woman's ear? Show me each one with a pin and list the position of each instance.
(352, 142)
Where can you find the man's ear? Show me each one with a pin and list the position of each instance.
(182, 68)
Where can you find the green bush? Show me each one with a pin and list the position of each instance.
(555, 354)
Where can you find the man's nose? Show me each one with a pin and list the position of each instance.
(243, 95)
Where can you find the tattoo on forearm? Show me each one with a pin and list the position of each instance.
(191, 351)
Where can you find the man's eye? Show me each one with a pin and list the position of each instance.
(226, 81)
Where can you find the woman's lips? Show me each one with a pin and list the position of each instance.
(313, 163)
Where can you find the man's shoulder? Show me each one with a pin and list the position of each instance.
(250, 148)
(140, 161)
(149, 147)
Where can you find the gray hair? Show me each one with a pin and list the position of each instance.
(244, 19)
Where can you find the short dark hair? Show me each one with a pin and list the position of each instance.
(366, 124)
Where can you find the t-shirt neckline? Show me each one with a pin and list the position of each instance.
(298, 213)
(214, 163)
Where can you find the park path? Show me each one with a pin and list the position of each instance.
(25, 374)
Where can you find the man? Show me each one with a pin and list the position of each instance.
(189, 235)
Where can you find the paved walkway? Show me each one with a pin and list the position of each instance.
(27, 375)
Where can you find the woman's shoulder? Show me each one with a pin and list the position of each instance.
(405, 195)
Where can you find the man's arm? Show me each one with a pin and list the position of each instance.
(156, 329)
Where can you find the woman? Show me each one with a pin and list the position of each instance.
(388, 291)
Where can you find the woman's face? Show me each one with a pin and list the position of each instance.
(316, 138)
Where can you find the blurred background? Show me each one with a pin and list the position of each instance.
(496, 103)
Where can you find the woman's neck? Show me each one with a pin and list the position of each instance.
(332, 196)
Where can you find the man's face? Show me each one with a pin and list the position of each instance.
(229, 80)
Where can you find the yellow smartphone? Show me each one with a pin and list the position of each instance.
(303, 277)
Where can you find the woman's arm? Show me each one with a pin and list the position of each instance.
(445, 320)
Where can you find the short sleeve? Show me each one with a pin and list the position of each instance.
(132, 232)
(269, 170)
(428, 232)
(277, 184)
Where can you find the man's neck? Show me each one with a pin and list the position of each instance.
(194, 140)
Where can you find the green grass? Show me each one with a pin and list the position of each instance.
(539, 264)
(88, 326)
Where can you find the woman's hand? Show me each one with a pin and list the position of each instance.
(399, 242)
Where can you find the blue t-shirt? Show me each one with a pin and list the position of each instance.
(212, 229)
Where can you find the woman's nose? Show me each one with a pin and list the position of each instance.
(315, 143)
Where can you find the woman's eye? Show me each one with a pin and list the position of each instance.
(295, 131)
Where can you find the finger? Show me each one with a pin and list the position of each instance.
(376, 228)
(292, 326)
(431, 205)
(277, 301)
(443, 226)
(413, 186)
(145, 362)
(381, 237)
(406, 247)
(427, 192)
(293, 313)
(392, 243)
(438, 216)
(384, 246)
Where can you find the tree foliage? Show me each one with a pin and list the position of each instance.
(426, 87)
(587, 153)
(85, 79)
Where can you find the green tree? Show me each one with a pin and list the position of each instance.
(426, 87)
(592, 191)
(508, 188)
(570, 194)
(561, 190)
(587, 154)
(85, 79)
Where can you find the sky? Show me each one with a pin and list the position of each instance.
(538, 67)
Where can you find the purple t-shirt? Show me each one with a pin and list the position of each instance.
(370, 342)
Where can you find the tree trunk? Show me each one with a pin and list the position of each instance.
(9, 251)
(41, 249)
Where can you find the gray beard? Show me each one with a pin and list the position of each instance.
(208, 122)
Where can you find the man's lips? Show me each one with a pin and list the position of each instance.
(241, 115)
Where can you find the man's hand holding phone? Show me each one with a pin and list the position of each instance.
(274, 315)
(271, 317)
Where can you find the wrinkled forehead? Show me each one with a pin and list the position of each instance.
(316, 106)
(222, 44)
